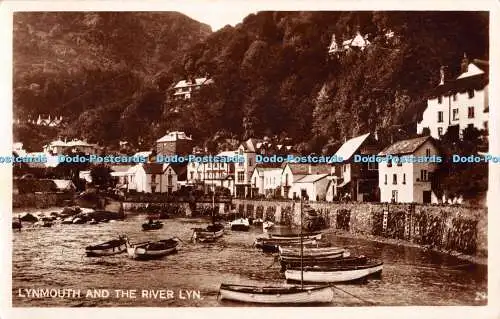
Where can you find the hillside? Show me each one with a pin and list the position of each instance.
(272, 73)
(93, 67)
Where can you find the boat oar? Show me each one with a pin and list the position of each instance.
(352, 295)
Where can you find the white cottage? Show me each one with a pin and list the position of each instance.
(409, 182)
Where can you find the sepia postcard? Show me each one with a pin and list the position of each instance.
(217, 158)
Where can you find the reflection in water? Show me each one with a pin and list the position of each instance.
(54, 258)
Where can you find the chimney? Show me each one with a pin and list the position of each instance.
(464, 66)
(376, 135)
(442, 74)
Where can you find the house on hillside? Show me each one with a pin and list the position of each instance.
(353, 179)
(174, 143)
(455, 105)
(409, 182)
(306, 179)
(184, 89)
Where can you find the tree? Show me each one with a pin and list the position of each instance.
(101, 176)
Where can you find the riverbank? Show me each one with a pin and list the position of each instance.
(480, 260)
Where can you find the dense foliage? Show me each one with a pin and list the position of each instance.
(109, 74)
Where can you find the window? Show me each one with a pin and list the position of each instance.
(286, 179)
(255, 180)
(404, 178)
(440, 117)
(191, 174)
(455, 114)
(250, 162)
(215, 165)
(345, 168)
(153, 178)
(440, 99)
(394, 196)
(440, 131)
(471, 112)
(394, 179)
(485, 125)
(470, 93)
(389, 163)
(372, 166)
(169, 180)
(385, 181)
(241, 177)
(423, 175)
(454, 96)
(428, 152)
(400, 162)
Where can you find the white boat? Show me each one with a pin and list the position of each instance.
(151, 250)
(294, 237)
(267, 225)
(334, 274)
(311, 251)
(112, 247)
(208, 234)
(276, 295)
(240, 224)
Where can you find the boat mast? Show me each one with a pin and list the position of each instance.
(301, 249)
(213, 208)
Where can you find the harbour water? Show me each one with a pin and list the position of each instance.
(53, 258)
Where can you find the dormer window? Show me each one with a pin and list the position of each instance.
(440, 99)
(470, 93)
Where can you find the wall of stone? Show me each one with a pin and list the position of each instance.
(457, 228)
(38, 200)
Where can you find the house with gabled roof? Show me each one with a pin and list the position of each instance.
(156, 177)
(409, 181)
(454, 105)
(353, 179)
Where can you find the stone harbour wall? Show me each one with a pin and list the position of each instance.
(443, 227)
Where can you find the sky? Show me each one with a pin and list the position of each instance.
(218, 14)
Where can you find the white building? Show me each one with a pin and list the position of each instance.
(312, 186)
(408, 182)
(154, 178)
(266, 179)
(458, 104)
(185, 88)
(58, 147)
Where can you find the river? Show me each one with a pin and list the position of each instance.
(53, 258)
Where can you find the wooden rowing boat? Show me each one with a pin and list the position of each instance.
(152, 250)
(311, 251)
(208, 234)
(347, 261)
(112, 247)
(288, 237)
(240, 224)
(330, 274)
(272, 245)
(276, 295)
(152, 225)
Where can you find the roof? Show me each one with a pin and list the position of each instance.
(227, 154)
(299, 168)
(174, 136)
(197, 81)
(475, 78)
(64, 184)
(153, 168)
(78, 143)
(472, 70)
(179, 168)
(347, 150)
(405, 146)
(120, 168)
(143, 154)
(251, 144)
(321, 169)
(311, 178)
